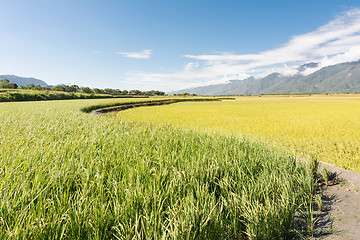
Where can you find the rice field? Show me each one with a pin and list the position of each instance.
(66, 174)
(326, 127)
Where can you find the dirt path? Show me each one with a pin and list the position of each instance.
(340, 218)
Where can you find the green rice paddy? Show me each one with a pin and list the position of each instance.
(65, 174)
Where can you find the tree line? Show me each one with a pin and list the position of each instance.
(5, 83)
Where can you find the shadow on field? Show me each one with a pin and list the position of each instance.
(322, 219)
(323, 222)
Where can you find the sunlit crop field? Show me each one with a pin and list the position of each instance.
(65, 174)
(325, 127)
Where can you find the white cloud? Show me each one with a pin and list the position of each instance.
(191, 66)
(335, 42)
(137, 55)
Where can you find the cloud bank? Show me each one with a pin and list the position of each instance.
(137, 55)
(335, 42)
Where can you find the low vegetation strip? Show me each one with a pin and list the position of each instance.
(69, 175)
(105, 108)
(16, 95)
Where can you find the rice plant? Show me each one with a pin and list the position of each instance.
(323, 126)
(65, 174)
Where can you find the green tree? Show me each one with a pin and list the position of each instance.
(98, 91)
(136, 92)
(117, 91)
(87, 90)
(38, 87)
(109, 91)
(60, 88)
(33, 87)
(72, 88)
(5, 83)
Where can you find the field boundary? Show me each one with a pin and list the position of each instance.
(341, 200)
(21, 95)
(116, 107)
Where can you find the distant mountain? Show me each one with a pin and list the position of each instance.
(23, 81)
(339, 78)
(308, 65)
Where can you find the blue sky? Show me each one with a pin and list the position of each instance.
(172, 44)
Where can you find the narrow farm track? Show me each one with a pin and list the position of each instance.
(341, 218)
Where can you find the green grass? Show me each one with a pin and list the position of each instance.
(65, 174)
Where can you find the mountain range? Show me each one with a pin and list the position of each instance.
(22, 81)
(339, 78)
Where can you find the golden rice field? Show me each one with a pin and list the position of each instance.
(323, 126)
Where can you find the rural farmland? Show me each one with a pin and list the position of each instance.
(73, 175)
(180, 120)
(326, 127)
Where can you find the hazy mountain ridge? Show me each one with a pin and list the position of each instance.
(339, 78)
(23, 80)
